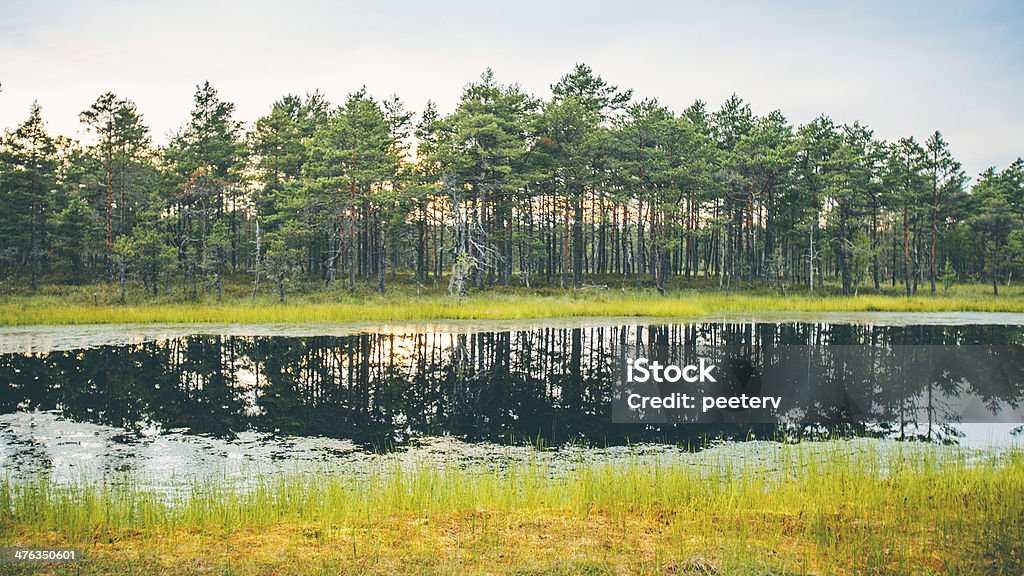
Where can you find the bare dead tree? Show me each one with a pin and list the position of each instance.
(472, 250)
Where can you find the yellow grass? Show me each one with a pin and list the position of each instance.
(79, 308)
(914, 510)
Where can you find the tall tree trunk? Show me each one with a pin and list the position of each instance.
(874, 241)
(381, 258)
(256, 267)
(844, 251)
(110, 212)
(577, 240)
(32, 248)
(906, 246)
(565, 245)
(637, 259)
(351, 237)
(935, 229)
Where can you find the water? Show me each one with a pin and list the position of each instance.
(164, 401)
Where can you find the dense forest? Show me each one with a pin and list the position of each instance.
(592, 187)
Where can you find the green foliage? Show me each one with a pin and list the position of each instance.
(588, 189)
(29, 161)
(283, 254)
(949, 276)
(993, 225)
(211, 138)
(149, 257)
(76, 228)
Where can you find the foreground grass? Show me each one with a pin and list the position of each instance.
(98, 305)
(911, 510)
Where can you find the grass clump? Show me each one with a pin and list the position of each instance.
(831, 510)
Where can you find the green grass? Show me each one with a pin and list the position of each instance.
(99, 305)
(830, 509)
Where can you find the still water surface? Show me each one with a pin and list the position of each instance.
(170, 401)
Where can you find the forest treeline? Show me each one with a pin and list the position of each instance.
(590, 187)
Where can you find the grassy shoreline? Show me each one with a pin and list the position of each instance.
(84, 307)
(915, 509)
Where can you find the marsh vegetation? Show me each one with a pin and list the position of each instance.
(833, 508)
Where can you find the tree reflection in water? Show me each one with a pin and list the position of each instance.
(547, 385)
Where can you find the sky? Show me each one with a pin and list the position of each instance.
(902, 68)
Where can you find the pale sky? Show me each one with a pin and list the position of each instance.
(902, 70)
